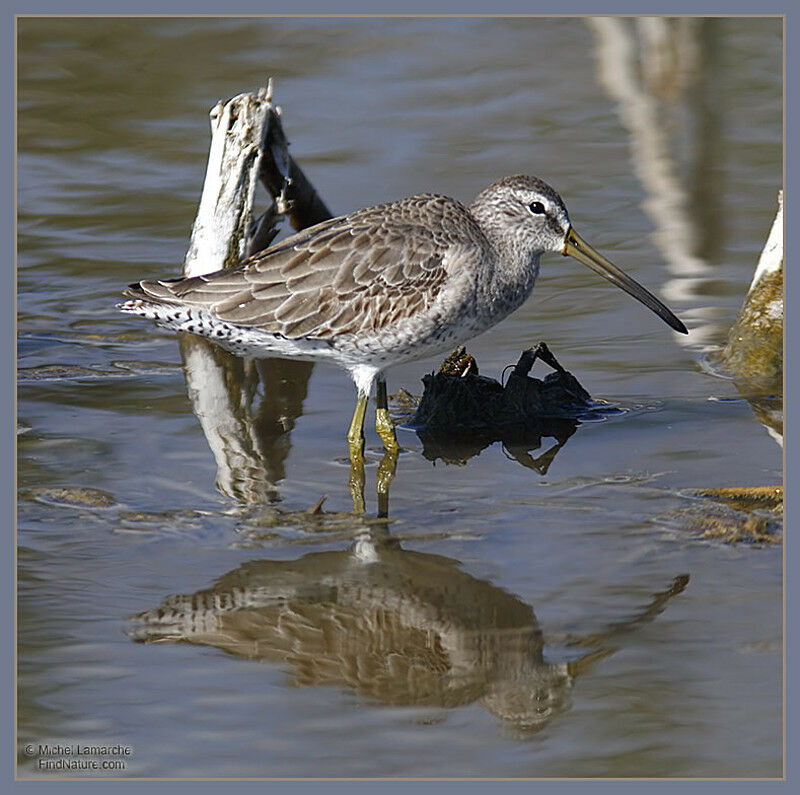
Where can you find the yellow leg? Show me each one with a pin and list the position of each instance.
(385, 428)
(383, 422)
(355, 436)
(355, 441)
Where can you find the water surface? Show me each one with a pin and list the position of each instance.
(511, 619)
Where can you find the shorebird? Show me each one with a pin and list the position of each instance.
(383, 285)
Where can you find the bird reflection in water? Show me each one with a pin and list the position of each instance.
(398, 627)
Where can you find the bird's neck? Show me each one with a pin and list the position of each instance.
(509, 283)
(509, 275)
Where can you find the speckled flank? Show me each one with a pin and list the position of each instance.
(237, 339)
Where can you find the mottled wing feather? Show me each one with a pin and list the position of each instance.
(358, 273)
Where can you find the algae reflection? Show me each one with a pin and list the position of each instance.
(397, 627)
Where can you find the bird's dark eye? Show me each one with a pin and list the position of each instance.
(537, 208)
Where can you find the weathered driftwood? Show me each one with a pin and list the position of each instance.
(248, 145)
(249, 442)
(282, 177)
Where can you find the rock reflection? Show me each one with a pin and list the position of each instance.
(396, 626)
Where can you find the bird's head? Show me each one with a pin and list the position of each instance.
(528, 215)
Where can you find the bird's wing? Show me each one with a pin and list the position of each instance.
(356, 273)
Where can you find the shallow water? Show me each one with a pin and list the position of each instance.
(514, 617)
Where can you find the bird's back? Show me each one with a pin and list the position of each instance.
(357, 274)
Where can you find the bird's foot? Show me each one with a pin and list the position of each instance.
(385, 428)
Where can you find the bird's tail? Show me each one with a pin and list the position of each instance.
(150, 299)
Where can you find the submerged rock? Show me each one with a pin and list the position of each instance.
(753, 353)
(70, 496)
(748, 514)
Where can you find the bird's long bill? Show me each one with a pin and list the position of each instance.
(579, 249)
